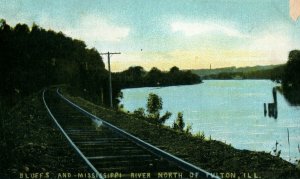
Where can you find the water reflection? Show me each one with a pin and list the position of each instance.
(292, 96)
(272, 109)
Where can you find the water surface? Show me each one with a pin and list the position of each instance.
(230, 111)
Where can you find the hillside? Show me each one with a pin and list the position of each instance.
(233, 69)
(33, 57)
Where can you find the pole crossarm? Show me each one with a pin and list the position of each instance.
(109, 54)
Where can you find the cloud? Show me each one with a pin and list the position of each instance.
(97, 29)
(89, 28)
(274, 46)
(205, 28)
(188, 59)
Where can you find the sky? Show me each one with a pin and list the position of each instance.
(190, 34)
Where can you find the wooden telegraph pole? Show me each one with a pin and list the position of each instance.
(109, 54)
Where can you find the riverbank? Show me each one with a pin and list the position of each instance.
(211, 155)
(30, 144)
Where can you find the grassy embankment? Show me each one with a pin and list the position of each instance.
(31, 143)
(208, 154)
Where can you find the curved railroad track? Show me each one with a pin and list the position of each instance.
(111, 152)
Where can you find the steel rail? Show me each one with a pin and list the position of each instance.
(156, 151)
(98, 175)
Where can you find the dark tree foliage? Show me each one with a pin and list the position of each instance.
(174, 69)
(130, 77)
(165, 117)
(32, 58)
(291, 78)
(154, 104)
(154, 77)
(138, 77)
(179, 123)
(292, 70)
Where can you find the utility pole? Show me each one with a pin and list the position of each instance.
(109, 54)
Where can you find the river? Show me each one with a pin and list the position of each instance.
(230, 111)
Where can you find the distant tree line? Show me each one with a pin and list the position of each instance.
(274, 74)
(32, 58)
(136, 76)
(288, 75)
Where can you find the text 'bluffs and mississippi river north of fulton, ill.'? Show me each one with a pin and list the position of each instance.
(134, 89)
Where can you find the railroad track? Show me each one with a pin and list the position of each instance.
(111, 152)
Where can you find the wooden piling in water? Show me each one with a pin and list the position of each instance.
(270, 109)
(288, 133)
(265, 109)
(274, 95)
(275, 111)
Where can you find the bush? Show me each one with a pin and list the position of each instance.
(200, 135)
(166, 116)
(120, 108)
(188, 129)
(140, 112)
(179, 123)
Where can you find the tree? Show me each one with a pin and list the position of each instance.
(3, 25)
(135, 72)
(154, 76)
(22, 28)
(291, 78)
(174, 69)
(163, 118)
(154, 105)
(179, 123)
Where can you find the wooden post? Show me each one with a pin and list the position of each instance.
(265, 109)
(101, 95)
(109, 75)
